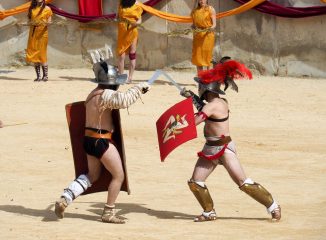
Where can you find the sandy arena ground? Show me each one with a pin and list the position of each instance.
(278, 124)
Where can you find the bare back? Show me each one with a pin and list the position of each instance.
(95, 118)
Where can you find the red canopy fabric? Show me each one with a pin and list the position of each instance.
(289, 12)
(90, 8)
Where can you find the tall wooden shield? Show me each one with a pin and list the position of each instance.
(76, 115)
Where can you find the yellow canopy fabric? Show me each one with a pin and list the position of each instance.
(324, 1)
(187, 19)
(20, 9)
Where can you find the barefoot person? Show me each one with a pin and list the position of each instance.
(39, 16)
(129, 14)
(204, 23)
(219, 148)
(97, 140)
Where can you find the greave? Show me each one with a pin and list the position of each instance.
(45, 73)
(77, 187)
(202, 194)
(257, 192)
(37, 68)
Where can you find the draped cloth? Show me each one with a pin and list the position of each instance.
(289, 12)
(187, 19)
(90, 8)
(203, 42)
(36, 51)
(20, 9)
(88, 18)
(77, 17)
(147, 6)
(127, 33)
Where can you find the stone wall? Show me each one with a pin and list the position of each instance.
(271, 45)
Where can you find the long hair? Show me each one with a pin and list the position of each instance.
(197, 5)
(127, 3)
(34, 5)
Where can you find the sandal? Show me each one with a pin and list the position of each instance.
(60, 207)
(109, 216)
(276, 214)
(206, 216)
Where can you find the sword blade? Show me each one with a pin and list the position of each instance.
(156, 74)
(160, 72)
(172, 81)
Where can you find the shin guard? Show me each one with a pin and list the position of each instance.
(202, 194)
(77, 187)
(257, 192)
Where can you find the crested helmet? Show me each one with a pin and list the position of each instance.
(224, 73)
(106, 74)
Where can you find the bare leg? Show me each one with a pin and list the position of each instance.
(202, 170)
(255, 190)
(132, 65)
(121, 63)
(94, 168)
(112, 162)
(234, 168)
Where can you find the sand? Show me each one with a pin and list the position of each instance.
(278, 124)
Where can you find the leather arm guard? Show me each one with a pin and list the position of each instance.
(198, 103)
(118, 100)
(202, 195)
(257, 192)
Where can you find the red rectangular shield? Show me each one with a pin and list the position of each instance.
(76, 115)
(175, 127)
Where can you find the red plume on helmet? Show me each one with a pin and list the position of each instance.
(225, 73)
(222, 71)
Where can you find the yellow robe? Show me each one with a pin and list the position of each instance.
(203, 42)
(126, 33)
(36, 51)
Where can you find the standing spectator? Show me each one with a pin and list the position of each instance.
(204, 23)
(129, 15)
(39, 16)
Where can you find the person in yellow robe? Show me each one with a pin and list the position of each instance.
(204, 23)
(129, 15)
(39, 16)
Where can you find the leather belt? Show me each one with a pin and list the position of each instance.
(90, 133)
(220, 142)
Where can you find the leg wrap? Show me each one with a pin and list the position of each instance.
(201, 192)
(132, 56)
(37, 68)
(77, 187)
(257, 192)
(45, 73)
